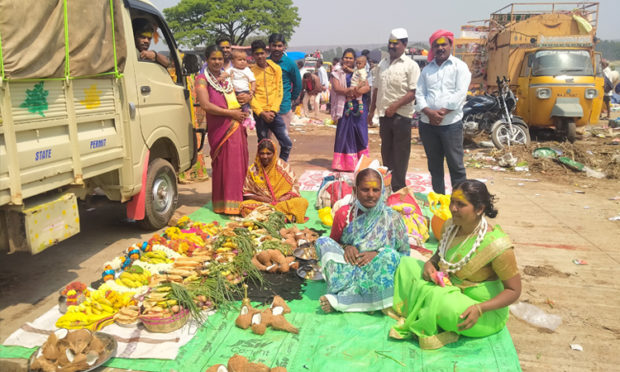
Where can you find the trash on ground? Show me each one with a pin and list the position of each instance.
(570, 163)
(507, 160)
(487, 144)
(576, 347)
(535, 316)
(614, 218)
(577, 261)
(550, 302)
(579, 192)
(544, 152)
(525, 179)
(593, 173)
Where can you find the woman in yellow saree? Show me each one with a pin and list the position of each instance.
(270, 180)
(483, 278)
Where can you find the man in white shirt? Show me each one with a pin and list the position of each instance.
(393, 93)
(441, 93)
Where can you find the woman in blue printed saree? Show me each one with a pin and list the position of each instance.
(483, 278)
(366, 243)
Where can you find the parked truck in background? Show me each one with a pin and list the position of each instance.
(79, 113)
(547, 51)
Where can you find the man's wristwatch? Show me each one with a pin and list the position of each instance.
(155, 56)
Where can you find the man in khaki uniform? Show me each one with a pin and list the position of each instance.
(393, 93)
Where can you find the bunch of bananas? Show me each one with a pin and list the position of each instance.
(99, 305)
(155, 257)
(133, 279)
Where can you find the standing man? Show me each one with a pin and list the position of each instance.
(442, 89)
(267, 99)
(291, 80)
(393, 92)
(224, 44)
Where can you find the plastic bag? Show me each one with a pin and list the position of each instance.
(535, 316)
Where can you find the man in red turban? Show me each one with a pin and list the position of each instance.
(440, 96)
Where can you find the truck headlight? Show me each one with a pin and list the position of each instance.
(543, 93)
(591, 93)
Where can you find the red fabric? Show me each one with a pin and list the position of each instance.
(436, 35)
(338, 190)
(400, 198)
(340, 222)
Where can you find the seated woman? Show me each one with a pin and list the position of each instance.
(482, 270)
(270, 180)
(362, 253)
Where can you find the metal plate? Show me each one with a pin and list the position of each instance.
(306, 252)
(108, 352)
(310, 272)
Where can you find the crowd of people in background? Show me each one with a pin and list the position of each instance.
(363, 93)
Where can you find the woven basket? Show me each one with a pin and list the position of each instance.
(168, 324)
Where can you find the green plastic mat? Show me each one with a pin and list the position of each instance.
(326, 342)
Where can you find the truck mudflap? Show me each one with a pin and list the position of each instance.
(567, 107)
(44, 221)
(137, 205)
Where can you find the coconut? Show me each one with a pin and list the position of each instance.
(91, 357)
(244, 320)
(280, 323)
(79, 340)
(217, 368)
(42, 364)
(278, 369)
(80, 362)
(62, 359)
(95, 345)
(257, 367)
(238, 363)
(61, 333)
(49, 348)
(279, 302)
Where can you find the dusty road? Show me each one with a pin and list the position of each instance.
(552, 221)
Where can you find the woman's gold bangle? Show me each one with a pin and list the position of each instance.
(479, 309)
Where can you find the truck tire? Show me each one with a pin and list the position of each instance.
(571, 131)
(501, 133)
(161, 195)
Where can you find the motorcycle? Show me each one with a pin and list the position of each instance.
(493, 114)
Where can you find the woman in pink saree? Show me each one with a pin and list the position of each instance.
(227, 138)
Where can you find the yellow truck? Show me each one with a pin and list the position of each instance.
(81, 113)
(546, 50)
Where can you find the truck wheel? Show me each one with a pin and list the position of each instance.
(571, 131)
(161, 195)
(501, 134)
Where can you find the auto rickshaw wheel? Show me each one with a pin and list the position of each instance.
(567, 129)
(571, 131)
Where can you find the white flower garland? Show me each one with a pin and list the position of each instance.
(122, 289)
(448, 237)
(154, 268)
(216, 84)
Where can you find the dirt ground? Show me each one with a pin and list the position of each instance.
(553, 214)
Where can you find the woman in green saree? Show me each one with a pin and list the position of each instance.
(483, 277)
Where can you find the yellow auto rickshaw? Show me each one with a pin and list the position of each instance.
(561, 88)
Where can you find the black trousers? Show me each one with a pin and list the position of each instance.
(395, 135)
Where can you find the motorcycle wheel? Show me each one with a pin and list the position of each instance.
(501, 134)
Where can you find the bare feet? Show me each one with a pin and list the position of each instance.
(391, 313)
(325, 305)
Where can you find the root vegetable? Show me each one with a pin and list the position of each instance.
(264, 257)
(244, 320)
(237, 363)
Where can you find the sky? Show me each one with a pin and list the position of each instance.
(343, 23)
